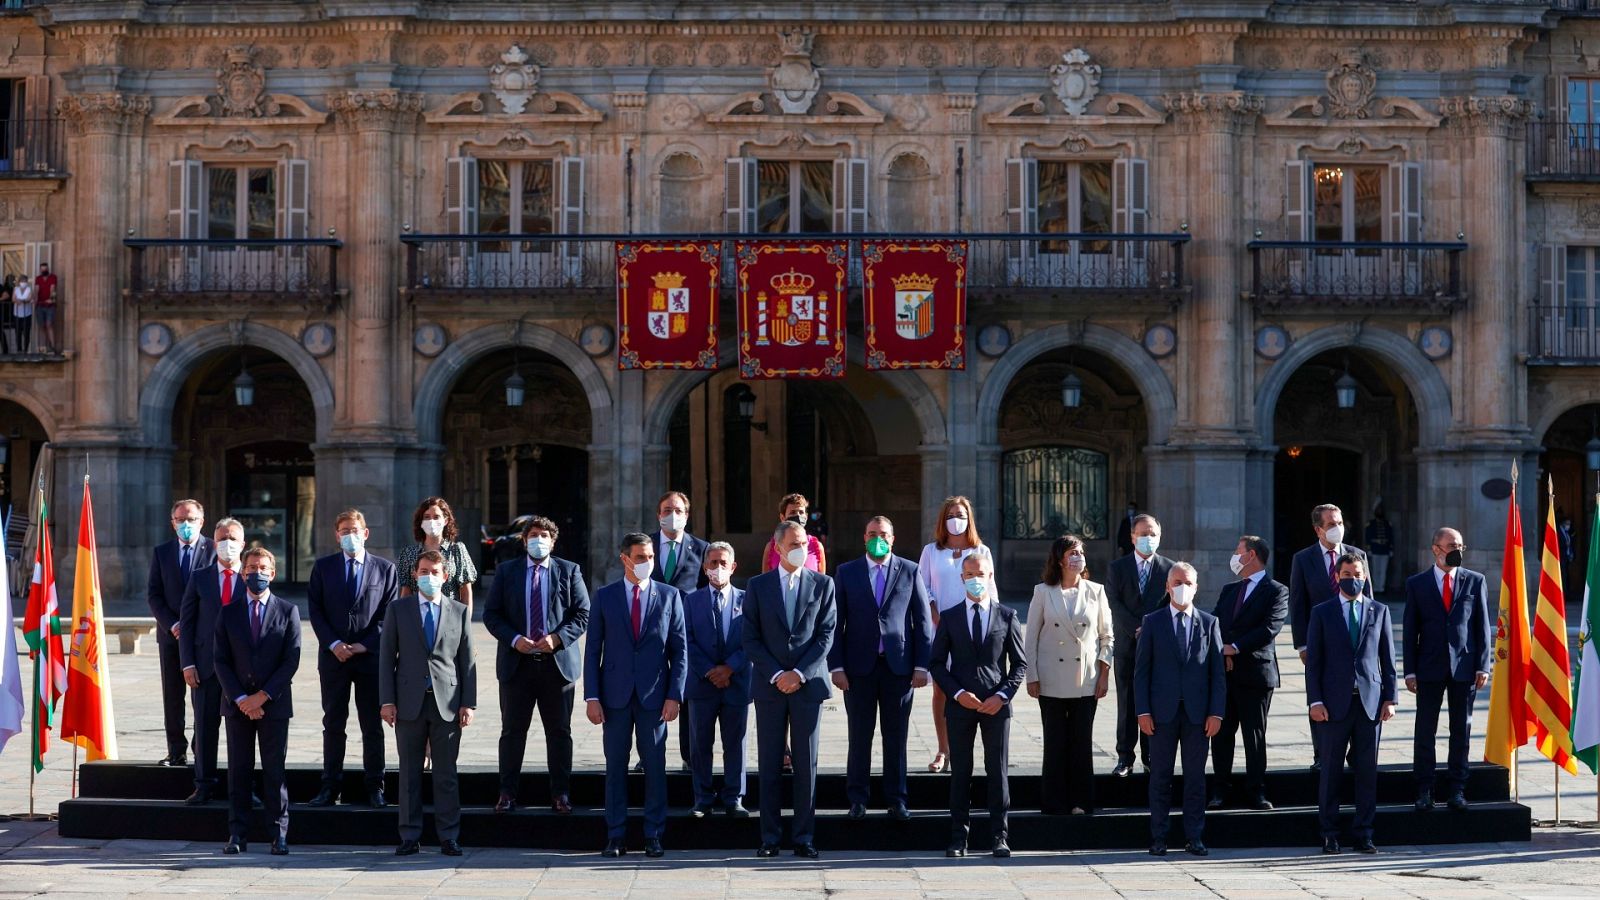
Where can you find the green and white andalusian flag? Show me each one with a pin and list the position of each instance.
(1586, 680)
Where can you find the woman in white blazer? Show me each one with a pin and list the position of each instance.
(1069, 665)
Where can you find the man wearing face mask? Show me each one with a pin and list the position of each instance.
(257, 653)
(880, 654)
(1180, 693)
(1250, 613)
(789, 625)
(172, 566)
(1350, 686)
(1447, 639)
(1313, 580)
(717, 689)
(210, 589)
(679, 557)
(1135, 587)
(538, 608)
(635, 662)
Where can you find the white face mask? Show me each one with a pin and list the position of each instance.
(642, 570)
(1334, 535)
(955, 526)
(1075, 562)
(433, 527)
(718, 576)
(538, 548)
(1182, 595)
(1236, 564)
(228, 551)
(672, 523)
(796, 558)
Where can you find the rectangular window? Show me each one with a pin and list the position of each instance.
(1583, 284)
(1348, 203)
(1583, 112)
(241, 202)
(1075, 198)
(794, 197)
(516, 197)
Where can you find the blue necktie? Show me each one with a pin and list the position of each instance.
(428, 632)
(350, 577)
(720, 646)
(184, 563)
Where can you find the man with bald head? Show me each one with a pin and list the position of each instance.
(1447, 641)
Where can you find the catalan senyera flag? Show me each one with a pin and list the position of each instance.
(86, 718)
(1510, 724)
(1586, 678)
(1550, 675)
(42, 629)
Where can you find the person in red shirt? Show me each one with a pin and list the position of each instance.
(45, 300)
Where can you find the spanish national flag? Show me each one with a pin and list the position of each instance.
(1550, 676)
(1510, 724)
(86, 718)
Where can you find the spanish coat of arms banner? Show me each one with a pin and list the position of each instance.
(915, 299)
(667, 304)
(791, 308)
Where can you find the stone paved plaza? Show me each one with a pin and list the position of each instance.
(1559, 862)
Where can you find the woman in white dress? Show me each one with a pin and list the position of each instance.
(955, 538)
(1069, 645)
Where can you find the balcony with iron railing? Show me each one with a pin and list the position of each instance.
(1580, 7)
(1563, 151)
(33, 148)
(1564, 334)
(1370, 276)
(1044, 265)
(270, 272)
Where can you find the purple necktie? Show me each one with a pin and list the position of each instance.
(877, 594)
(255, 622)
(536, 606)
(1244, 591)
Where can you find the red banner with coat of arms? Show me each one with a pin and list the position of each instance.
(791, 308)
(915, 294)
(667, 304)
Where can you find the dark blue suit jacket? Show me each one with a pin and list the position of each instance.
(1166, 675)
(165, 591)
(566, 615)
(245, 667)
(996, 666)
(1440, 646)
(703, 648)
(1309, 586)
(1129, 605)
(336, 617)
(617, 668)
(1333, 668)
(202, 603)
(904, 623)
(773, 647)
(1254, 631)
(690, 574)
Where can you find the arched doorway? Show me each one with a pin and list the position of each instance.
(242, 427)
(22, 437)
(1565, 459)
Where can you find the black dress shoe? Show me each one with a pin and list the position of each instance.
(234, 847)
(1158, 849)
(200, 795)
(858, 811)
(766, 851)
(1261, 803)
(255, 802)
(1317, 767)
(614, 849)
(700, 811)
(1214, 803)
(1365, 845)
(899, 813)
(408, 848)
(638, 766)
(1122, 770)
(652, 848)
(505, 804)
(376, 800)
(174, 761)
(450, 847)
(955, 851)
(1196, 848)
(737, 810)
(325, 797)
(280, 847)
(1458, 802)
(1424, 801)
(806, 851)
(1002, 850)
(1330, 846)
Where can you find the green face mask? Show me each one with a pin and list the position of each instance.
(877, 548)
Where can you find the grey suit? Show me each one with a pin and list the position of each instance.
(428, 686)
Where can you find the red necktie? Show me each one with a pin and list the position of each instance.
(636, 612)
(1449, 593)
(227, 586)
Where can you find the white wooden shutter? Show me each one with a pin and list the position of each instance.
(1130, 196)
(1403, 199)
(1552, 300)
(740, 207)
(1297, 200)
(35, 141)
(1022, 215)
(849, 196)
(461, 194)
(570, 170)
(294, 220)
(36, 255)
(185, 219)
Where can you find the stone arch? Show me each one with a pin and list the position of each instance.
(442, 375)
(39, 409)
(1160, 402)
(160, 390)
(1422, 378)
(1571, 397)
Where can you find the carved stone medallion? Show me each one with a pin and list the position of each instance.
(514, 80)
(242, 85)
(794, 80)
(1351, 86)
(1076, 80)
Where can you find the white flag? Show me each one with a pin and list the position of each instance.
(10, 675)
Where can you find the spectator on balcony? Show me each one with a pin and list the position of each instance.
(45, 299)
(22, 312)
(7, 321)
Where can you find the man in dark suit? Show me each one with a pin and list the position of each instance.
(978, 660)
(717, 689)
(1448, 637)
(349, 595)
(1180, 692)
(1350, 685)
(256, 654)
(634, 663)
(209, 590)
(789, 624)
(1135, 586)
(1313, 579)
(680, 558)
(1250, 612)
(537, 610)
(428, 685)
(171, 566)
(880, 655)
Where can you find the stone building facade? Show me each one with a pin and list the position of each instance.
(1262, 206)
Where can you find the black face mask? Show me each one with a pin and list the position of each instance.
(1453, 558)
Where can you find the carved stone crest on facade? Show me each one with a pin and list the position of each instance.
(795, 81)
(242, 86)
(514, 80)
(1075, 80)
(1352, 83)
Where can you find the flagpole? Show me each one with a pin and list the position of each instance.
(1557, 822)
(74, 794)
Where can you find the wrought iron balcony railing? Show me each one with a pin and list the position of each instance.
(1564, 333)
(1563, 151)
(281, 270)
(1356, 274)
(1119, 264)
(33, 148)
